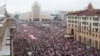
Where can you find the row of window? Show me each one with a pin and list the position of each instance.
(84, 23)
(70, 21)
(85, 18)
(87, 33)
(85, 28)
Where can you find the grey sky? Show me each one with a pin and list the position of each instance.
(48, 5)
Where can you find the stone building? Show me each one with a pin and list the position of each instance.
(84, 26)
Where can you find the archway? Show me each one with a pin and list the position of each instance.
(90, 42)
(80, 38)
(84, 40)
(72, 32)
(96, 44)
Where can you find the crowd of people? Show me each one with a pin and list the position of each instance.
(47, 41)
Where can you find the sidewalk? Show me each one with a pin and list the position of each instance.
(5, 51)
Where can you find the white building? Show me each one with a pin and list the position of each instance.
(36, 10)
(46, 16)
(25, 16)
(61, 15)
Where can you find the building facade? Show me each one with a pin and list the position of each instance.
(84, 26)
(36, 9)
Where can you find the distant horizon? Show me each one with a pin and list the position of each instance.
(23, 6)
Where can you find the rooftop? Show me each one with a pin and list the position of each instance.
(89, 11)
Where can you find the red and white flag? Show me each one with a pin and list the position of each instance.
(32, 37)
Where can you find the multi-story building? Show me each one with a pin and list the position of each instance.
(84, 26)
(36, 9)
(61, 15)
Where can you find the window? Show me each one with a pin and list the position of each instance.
(93, 29)
(7, 44)
(72, 17)
(80, 17)
(75, 17)
(87, 28)
(84, 32)
(92, 34)
(84, 28)
(69, 24)
(78, 26)
(69, 17)
(96, 35)
(99, 36)
(95, 18)
(84, 18)
(90, 18)
(84, 23)
(95, 24)
(69, 21)
(96, 29)
(72, 25)
(75, 21)
(75, 25)
(87, 33)
(72, 21)
(87, 23)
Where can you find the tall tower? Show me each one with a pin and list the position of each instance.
(36, 11)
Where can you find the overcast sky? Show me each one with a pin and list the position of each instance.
(48, 5)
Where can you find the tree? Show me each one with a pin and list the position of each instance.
(56, 17)
(16, 16)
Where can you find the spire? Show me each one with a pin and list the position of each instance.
(89, 7)
(36, 4)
